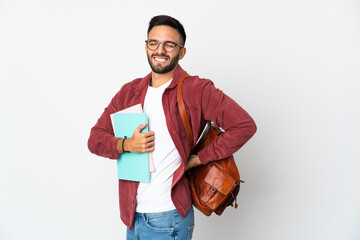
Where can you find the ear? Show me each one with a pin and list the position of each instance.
(182, 53)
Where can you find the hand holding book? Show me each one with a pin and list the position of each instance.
(138, 143)
(132, 166)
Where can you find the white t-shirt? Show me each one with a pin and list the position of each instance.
(155, 196)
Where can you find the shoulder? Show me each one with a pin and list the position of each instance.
(134, 84)
(133, 87)
(195, 89)
(197, 82)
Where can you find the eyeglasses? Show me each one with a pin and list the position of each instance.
(168, 46)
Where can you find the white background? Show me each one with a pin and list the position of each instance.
(293, 65)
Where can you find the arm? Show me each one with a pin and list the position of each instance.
(102, 141)
(224, 112)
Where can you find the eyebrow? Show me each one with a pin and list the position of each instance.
(151, 39)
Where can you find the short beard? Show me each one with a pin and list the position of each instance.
(162, 70)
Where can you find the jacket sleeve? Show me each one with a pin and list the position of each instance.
(102, 141)
(224, 112)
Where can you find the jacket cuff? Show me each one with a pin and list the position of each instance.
(204, 156)
(113, 154)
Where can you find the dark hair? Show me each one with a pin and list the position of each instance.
(167, 21)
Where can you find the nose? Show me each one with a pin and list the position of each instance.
(160, 49)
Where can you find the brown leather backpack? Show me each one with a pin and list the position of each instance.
(215, 185)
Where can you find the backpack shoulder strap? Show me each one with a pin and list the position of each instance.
(184, 116)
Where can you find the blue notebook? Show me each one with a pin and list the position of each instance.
(131, 166)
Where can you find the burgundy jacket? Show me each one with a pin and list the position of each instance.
(203, 102)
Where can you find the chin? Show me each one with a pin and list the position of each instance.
(161, 69)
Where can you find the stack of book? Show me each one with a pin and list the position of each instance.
(132, 166)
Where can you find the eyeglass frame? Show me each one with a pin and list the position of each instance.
(163, 46)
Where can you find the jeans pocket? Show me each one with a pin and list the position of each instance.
(163, 223)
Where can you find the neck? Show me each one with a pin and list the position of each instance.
(159, 79)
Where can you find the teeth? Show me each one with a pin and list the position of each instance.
(160, 59)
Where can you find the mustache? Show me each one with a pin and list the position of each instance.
(160, 55)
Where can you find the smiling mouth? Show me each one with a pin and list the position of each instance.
(160, 59)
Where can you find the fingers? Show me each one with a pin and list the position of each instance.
(150, 147)
(145, 147)
(149, 138)
(140, 128)
(149, 143)
(144, 138)
(142, 142)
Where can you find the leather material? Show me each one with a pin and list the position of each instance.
(215, 185)
(184, 116)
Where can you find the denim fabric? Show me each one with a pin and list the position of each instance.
(162, 226)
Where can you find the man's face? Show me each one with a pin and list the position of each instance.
(160, 60)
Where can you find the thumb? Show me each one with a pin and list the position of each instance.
(140, 127)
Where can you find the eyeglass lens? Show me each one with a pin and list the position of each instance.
(168, 46)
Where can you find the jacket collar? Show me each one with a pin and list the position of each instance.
(178, 73)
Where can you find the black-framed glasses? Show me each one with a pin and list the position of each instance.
(168, 46)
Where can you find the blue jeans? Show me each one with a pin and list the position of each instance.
(162, 226)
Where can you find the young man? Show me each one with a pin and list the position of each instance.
(162, 209)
